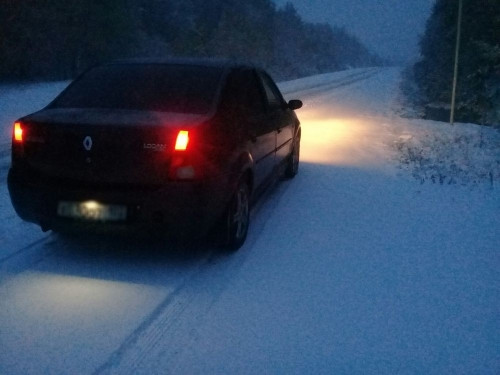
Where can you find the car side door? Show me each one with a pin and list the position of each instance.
(262, 133)
(278, 117)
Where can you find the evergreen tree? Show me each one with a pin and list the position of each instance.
(54, 39)
(478, 89)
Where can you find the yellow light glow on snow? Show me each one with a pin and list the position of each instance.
(68, 296)
(336, 141)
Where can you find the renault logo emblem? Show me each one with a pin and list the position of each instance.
(87, 143)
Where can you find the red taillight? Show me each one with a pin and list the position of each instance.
(18, 132)
(182, 163)
(182, 140)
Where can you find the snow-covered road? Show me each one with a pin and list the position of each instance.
(353, 267)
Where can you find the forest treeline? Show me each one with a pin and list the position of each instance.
(57, 39)
(429, 82)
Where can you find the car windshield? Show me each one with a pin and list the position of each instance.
(153, 87)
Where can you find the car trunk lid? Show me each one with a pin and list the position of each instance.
(104, 146)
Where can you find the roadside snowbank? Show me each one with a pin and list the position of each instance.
(437, 152)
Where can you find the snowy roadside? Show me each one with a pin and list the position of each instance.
(325, 82)
(436, 152)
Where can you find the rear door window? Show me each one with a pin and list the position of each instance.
(273, 96)
(253, 93)
(242, 94)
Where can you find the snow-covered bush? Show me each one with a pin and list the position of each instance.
(461, 154)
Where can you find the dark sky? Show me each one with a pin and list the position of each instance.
(390, 28)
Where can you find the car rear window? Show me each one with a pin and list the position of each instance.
(154, 87)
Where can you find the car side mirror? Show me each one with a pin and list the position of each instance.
(295, 104)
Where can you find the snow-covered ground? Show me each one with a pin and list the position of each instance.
(353, 267)
(465, 154)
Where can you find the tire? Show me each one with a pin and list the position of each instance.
(237, 218)
(292, 166)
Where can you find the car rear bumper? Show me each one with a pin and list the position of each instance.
(174, 209)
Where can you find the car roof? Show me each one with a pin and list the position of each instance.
(208, 62)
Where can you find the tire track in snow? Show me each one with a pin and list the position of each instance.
(25, 257)
(23, 249)
(151, 330)
(160, 335)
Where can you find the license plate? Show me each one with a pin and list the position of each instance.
(92, 211)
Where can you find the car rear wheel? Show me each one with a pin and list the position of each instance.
(237, 218)
(292, 167)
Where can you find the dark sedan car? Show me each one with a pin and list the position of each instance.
(181, 147)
